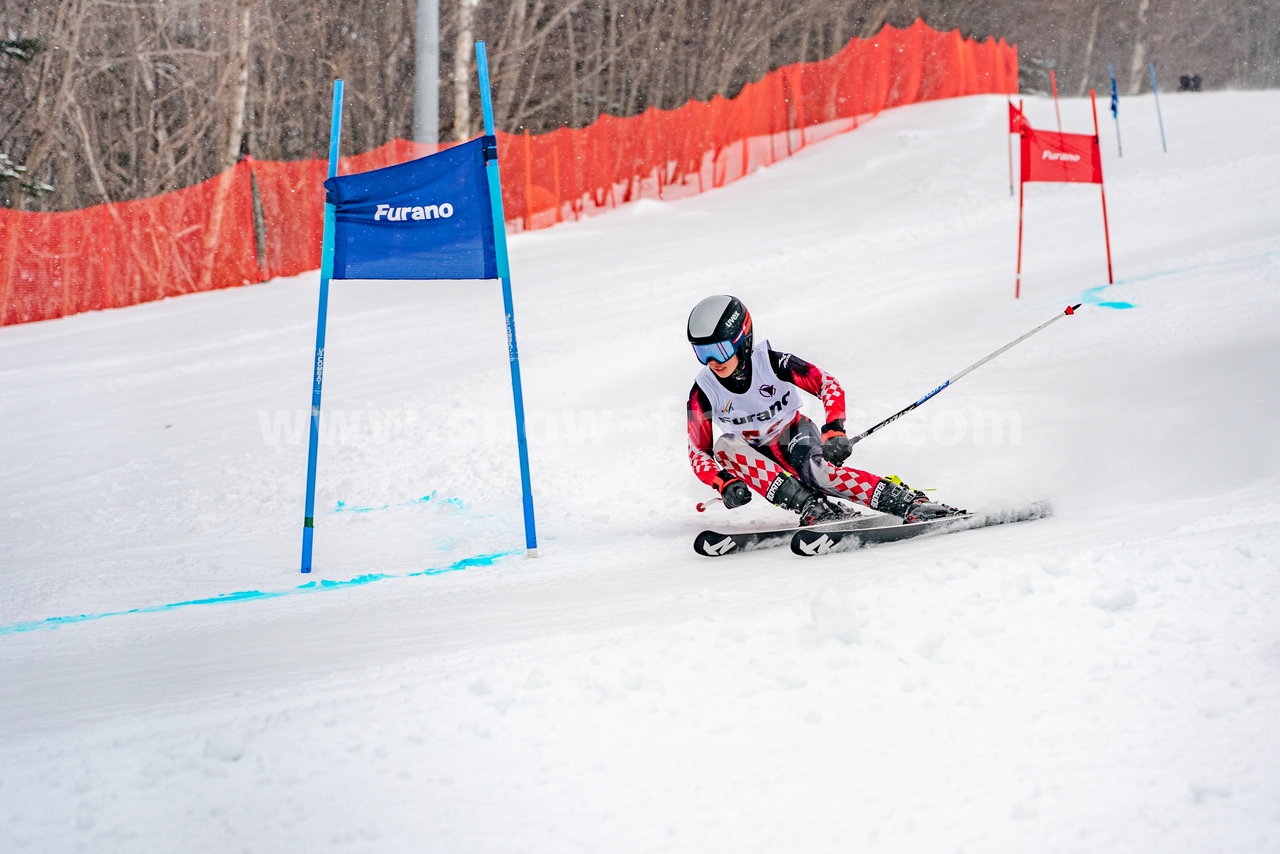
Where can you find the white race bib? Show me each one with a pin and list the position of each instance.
(760, 413)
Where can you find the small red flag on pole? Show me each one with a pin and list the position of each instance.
(1017, 123)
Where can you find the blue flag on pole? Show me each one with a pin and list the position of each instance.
(429, 218)
(1115, 95)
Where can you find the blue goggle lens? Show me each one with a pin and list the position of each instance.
(721, 351)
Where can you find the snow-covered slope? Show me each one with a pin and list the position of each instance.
(1107, 680)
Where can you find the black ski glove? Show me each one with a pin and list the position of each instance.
(835, 444)
(732, 489)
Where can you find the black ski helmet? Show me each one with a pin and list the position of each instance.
(720, 327)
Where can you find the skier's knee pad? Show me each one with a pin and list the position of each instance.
(728, 445)
(763, 474)
(802, 447)
(818, 473)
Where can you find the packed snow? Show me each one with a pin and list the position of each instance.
(1105, 681)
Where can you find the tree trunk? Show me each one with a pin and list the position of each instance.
(239, 35)
(55, 94)
(462, 72)
(1139, 48)
(1086, 66)
(239, 90)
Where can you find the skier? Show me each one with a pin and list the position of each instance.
(767, 446)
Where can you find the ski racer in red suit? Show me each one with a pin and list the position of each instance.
(766, 445)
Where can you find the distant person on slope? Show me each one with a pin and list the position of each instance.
(767, 446)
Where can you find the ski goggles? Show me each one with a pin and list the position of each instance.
(721, 351)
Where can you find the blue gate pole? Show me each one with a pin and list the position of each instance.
(504, 273)
(1159, 117)
(322, 316)
(1115, 107)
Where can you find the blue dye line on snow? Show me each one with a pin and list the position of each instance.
(456, 503)
(253, 595)
(1091, 295)
(1197, 267)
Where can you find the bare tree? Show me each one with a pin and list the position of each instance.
(462, 88)
(1137, 64)
(1089, 46)
(15, 178)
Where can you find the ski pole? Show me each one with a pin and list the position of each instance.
(1071, 309)
(703, 505)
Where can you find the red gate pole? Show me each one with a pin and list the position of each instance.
(1017, 287)
(528, 182)
(1097, 153)
(1053, 80)
(1009, 137)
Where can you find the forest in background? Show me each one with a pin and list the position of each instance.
(110, 100)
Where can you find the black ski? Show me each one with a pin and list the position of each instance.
(721, 543)
(837, 538)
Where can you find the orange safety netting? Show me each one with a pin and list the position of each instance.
(210, 235)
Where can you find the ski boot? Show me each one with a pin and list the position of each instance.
(894, 497)
(813, 507)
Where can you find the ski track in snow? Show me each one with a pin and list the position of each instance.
(1105, 680)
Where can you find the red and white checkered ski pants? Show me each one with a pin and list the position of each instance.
(759, 470)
